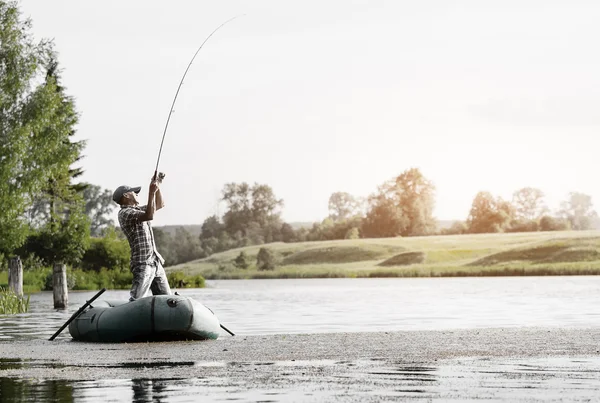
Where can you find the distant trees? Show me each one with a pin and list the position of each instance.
(528, 212)
(98, 207)
(578, 211)
(252, 212)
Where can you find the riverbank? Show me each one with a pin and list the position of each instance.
(512, 254)
(504, 364)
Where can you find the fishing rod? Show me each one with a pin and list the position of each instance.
(179, 87)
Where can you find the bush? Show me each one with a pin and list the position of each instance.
(241, 261)
(548, 223)
(178, 279)
(523, 226)
(110, 252)
(91, 280)
(265, 260)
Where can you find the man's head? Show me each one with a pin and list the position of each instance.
(126, 195)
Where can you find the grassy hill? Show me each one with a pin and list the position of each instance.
(534, 253)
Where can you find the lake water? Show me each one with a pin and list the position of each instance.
(258, 307)
(255, 307)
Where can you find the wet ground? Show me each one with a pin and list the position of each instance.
(498, 365)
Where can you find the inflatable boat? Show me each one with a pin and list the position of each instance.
(155, 318)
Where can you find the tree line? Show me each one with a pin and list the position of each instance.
(401, 206)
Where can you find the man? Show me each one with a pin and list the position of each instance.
(146, 263)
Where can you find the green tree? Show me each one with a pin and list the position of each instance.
(211, 228)
(27, 108)
(36, 152)
(489, 214)
(252, 214)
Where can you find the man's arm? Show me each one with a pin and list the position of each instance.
(151, 206)
(159, 200)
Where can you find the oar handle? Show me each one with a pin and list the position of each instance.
(76, 314)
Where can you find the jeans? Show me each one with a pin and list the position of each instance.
(149, 276)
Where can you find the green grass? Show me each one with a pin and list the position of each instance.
(514, 254)
(11, 303)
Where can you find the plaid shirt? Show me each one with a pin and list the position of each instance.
(139, 234)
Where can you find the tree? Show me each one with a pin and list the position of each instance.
(211, 228)
(287, 233)
(252, 212)
(403, 206)
(489, 214)
(66, 234)
(384, 218)
(264, 204)
(416, 197)
(578, 211)
(239, 210)
(98, 207)
(343, 205)
(529, 204)
(28, 155)
(37, 121)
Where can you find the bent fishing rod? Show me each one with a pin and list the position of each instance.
(179, 87)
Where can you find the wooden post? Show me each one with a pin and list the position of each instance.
(15, 276)
(59, 285)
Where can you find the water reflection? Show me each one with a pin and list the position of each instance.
(490, 379)
(24, 390)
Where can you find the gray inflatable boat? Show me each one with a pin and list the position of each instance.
(155, 318)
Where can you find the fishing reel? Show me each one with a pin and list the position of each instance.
(160, 176)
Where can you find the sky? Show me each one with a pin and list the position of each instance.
(315, 97)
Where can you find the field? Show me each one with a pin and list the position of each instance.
(514, 254)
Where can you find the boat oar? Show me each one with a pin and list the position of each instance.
(76, 314)
(227, 330)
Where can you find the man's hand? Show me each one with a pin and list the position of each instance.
(153, 187)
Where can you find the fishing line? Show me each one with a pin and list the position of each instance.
(179, 87)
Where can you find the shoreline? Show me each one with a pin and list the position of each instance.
(63, 358)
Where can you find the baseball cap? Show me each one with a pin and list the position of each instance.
(121, 190)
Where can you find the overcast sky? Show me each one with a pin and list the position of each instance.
(314, 97)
